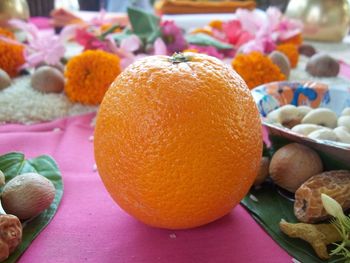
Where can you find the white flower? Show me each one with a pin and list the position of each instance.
(332, 206)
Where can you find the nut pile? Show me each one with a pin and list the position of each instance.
(318, 124)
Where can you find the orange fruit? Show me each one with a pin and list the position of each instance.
(178, 140)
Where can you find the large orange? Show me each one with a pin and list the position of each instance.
(178, 140)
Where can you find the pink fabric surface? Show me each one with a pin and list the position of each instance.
(90, 227)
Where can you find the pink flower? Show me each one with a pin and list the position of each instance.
(251, 21)
(88, 40)
(282, 26)
(43, 46)
(209, 50)
(235, 33)
(173, 37)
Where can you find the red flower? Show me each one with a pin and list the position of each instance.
(89, 41)
(235, 34)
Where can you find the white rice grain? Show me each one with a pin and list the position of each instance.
(19, 103)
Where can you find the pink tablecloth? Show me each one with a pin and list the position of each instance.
(90, 227)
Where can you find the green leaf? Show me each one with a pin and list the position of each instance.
(206, 40)
(268, 211)
(144, 25)
(118, 37)
(13, 164)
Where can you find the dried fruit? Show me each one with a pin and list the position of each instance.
(293, 164)
(322, 65)
(308, 205)
(27, 195)
(10, 235)
(319, 236)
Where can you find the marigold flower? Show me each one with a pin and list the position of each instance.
(291, 51)
(217, 24)
(90, 74)
(295, 40)
(256, 69)
(12, 57)
(6, 33)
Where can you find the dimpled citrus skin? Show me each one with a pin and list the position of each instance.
(178, 145)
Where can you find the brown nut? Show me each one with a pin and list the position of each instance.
(27, 195)
(10, 235)
(5, 79)
(263, 171)
(307, 50)
(322, 65)
(308, 205)
(282, 61)
(293, 164)
(48, 80)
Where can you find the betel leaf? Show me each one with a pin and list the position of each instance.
(268, 207)
(201, 39)
(145, 25)
(13, 164)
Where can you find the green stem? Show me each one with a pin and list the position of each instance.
(179, 58)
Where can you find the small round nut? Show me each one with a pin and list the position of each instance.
(282, 61)
(48, 80)
(5, 80)
(322, 65)
(293, 164)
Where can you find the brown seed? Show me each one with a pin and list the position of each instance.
(307, 50)
(282, 61)
(48, 80)
(27, 195)
(322, 65)
(5, 79)
(293, 164)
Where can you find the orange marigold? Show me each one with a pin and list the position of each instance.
(6, 33)
(11, 57)
(256, 69)
(296, 40)
(217, 24)
(291, 51)
(89, 76)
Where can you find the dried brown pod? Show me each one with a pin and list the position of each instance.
(318, 235)
(308, 205)
(10, 235)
